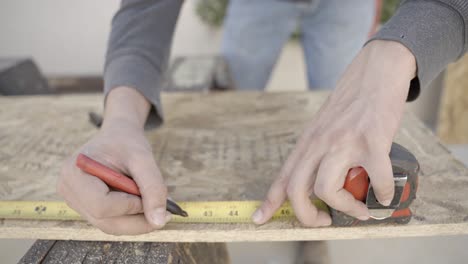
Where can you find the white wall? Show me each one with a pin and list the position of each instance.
(69, 37)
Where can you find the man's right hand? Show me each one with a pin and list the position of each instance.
(122, 146)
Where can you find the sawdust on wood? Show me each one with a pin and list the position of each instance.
(221, 146)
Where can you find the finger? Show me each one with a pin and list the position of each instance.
(277, 193)
(152, 188)
(299, 193)
(125, 225)
(94, 196)
(275, 198)
(379, 169)
(329, 184)
(305, 211)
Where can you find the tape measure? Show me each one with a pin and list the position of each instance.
(198, 212)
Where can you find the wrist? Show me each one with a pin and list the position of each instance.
(391, 67)
(381, 72)
(125, 106)
(377, 80)
(394, 57)
(396, 67)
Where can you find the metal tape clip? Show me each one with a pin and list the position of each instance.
(378, 211)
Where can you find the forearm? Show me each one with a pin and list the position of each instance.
(139, 47)
(126, 106)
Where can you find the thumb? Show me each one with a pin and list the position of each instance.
(379, 168)
(153, 190)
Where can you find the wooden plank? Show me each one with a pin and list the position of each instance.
(453, 118)
(89, 252)
(221, 146)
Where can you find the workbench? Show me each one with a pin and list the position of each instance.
(216, 146)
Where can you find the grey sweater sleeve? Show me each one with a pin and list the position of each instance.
(435, 31)
(139, 48)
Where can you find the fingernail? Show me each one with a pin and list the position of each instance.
(257, 216)
(363, 217)
(158, 216)
(387, 202)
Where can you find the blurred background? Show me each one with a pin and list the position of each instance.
(67, 42)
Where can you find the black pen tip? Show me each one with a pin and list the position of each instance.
(184, 214)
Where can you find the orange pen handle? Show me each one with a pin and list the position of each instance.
(107, 175)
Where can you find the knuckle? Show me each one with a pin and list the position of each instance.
(96, 211)
(154, 189)
(278, 187)
(291, 191)
(320, 189)
(325, 193)
(133, 205)
(269, 204)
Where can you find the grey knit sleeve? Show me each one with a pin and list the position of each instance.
(435, 31)
(139, 47)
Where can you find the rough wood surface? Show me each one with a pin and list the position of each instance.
(90, 252)
(453, 118)
(226, 146)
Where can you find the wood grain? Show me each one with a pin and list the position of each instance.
(221, 146)
(453, 117)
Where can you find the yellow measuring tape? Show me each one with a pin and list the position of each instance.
(199, 212)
